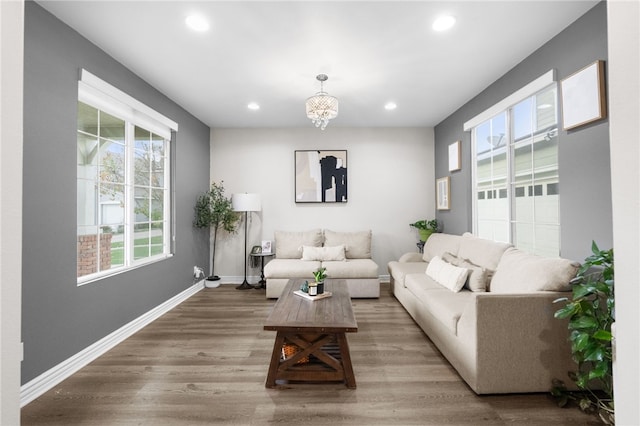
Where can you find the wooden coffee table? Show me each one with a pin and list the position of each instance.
(317, 329)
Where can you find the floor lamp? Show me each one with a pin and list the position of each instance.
(245, 203)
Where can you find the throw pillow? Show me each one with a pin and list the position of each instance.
(288, 244)
(357, 244)
(521, 272)
(447, 275)
(323, 253)
(478, 276)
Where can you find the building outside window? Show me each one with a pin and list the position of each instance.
(123, 183)
(515, 175)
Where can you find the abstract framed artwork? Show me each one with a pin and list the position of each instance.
(443, 193)
(321, 176)
(583, 96)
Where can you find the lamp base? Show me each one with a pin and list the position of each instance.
(244, 286)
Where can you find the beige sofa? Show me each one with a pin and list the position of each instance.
(346, 255)
(498, 331)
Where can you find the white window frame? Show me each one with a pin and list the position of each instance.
(99, 94)
(541, 83)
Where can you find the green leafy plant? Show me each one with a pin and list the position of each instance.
(425, 228)
(215, 211)
(591, 311)
(427, 225)
(320, 274)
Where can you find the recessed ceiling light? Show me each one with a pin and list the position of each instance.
(390, 106)
(253, 106)
(443, 23)
(197, 23)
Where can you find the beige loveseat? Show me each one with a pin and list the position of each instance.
(346, 255)
(498, 331)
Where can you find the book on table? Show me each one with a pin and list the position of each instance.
(308, 297)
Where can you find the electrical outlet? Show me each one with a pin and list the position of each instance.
(198, 272)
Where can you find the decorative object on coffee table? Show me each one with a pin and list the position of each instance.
(319, 274)
(245, 203)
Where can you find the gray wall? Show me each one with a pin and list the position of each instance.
(60, 318)
(585, 179)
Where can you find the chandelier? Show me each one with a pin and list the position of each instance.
(322, 107)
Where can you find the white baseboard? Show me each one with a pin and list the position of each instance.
(50, 378)
(228, 279)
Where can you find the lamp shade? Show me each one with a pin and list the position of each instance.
(246, 202)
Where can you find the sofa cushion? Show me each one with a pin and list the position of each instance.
(289, 244)
(521, 272)
(439, 243)
(351, 268)
(357, 244)
(481, 252)
(446, 274)
(443, 304)
(399, 270)
(478, 277)
(323, 253)
(290, 268)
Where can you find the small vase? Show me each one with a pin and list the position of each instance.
(320, 286)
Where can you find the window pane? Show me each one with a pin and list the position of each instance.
(523, 120)
(157, 204)
(111, 127)
(157, 239)
(86, 204)
(112, 167)
(142, 139)
(141, 241)
(142, 168)
(546, 109)
(142, 204)
(87, 119)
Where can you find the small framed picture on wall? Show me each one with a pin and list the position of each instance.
(443, 193)
(454, 157)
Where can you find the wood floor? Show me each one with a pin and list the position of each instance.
(206, 361)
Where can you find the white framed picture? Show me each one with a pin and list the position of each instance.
(583, 96)
(454, 157)
(443, 193)
(266, 247)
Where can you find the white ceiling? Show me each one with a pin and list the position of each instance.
(270, 52)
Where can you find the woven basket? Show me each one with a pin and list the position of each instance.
(289, 350)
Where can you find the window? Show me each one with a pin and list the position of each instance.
(514, 149)
(123, 182)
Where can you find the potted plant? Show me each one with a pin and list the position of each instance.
(214, 211)
(425, 228)
(591, 313)
(320, 274)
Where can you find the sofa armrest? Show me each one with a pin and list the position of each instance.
(411, 257)
(520, 346)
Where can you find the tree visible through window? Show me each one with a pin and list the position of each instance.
(516, 157)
